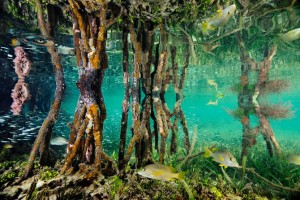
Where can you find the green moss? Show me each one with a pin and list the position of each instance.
(47, 173)
(252, 196)
(6, 165)
(216, 192)
(117, 184)
(9, 170)
(7, 176)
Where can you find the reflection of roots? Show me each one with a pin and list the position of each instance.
(20, 94)
(38, 40)
(274, 86)
(22, 63)
(277, 111)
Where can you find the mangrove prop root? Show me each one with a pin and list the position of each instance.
(181, 83)
(125, 104)
(153, 117)
(178, 83)
(161, 117)
(31, 189)
(76, 145)
(92, 61)
(262, 68)
(78, 118)
(100, 98)
(245, 95)
(146, 143)
(137, 136)
(82, 46)
(161, 121)
(88, 147)
(42, 141)
(183, 122)
(174, 128)
(94, 110)
(75, 7)
(145, 127)
(76, 38)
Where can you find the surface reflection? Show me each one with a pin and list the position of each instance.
(20, 94)
(248, 99)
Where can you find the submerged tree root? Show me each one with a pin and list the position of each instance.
(41, 144)
(273, 184)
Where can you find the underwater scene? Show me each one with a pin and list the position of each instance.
(154, 99)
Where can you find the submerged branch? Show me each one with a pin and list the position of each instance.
(271, 183)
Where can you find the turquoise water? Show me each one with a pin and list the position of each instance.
(214, 123)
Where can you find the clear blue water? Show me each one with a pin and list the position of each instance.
(215, 125)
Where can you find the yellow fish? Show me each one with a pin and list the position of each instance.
(213, 103)
(220, 19)
(224, 157)
(219, 95)
(7, 146)
(161, 172)
(291, 35)
(212, 83)
(15, 42)
(293, 158)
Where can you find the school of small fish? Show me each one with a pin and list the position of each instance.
(25, 127)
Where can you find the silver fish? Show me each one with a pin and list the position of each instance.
(59, 141)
